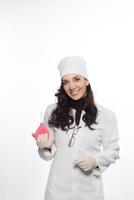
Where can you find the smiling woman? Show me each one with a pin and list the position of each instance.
(83, 137)
(74, 86)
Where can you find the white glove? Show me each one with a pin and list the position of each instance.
(86, 163)
(43, 141)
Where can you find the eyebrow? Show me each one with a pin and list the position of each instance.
(77, 76)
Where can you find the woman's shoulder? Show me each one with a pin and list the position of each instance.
(51, 107)
(104, 111)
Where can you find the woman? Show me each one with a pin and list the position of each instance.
(84, 137)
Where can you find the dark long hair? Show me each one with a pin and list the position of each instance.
(62, 117)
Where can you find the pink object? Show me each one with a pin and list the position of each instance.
(42, 129)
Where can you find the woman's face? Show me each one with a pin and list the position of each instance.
(74, 85)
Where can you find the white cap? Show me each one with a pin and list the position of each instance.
(73, 65)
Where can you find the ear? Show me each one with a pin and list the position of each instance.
(87, 83)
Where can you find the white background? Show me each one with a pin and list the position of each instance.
(34, 36)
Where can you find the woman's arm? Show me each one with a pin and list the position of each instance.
(110, 146)
(48, 153)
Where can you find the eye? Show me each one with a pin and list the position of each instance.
(77, 79)
(64, 82)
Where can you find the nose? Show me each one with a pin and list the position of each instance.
(71, 86)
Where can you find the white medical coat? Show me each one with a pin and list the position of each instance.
(66, 182)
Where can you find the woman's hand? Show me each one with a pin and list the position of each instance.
(44, 141)
(86, 163)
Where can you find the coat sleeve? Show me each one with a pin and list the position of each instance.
(45, 154)
(110, 146)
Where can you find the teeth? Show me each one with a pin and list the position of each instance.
(74, 92)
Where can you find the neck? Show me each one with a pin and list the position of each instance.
(77, 104)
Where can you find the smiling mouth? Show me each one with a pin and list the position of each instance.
(74, 93)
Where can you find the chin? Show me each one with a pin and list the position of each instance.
(75, 97)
